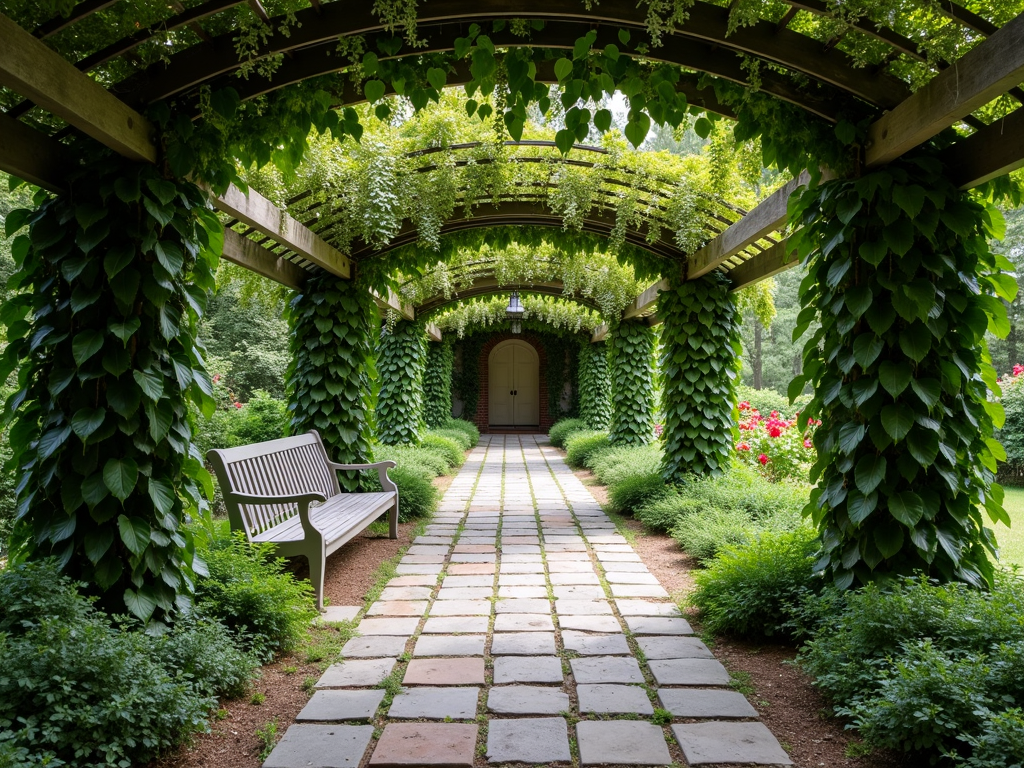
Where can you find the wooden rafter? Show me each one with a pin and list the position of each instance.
(79, 12)
(244, 252)
(433, 332)
(646, 302)
(29, 155)
(993, 151)
(988, 70)
(395, 303)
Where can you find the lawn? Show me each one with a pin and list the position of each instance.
(1011, 540)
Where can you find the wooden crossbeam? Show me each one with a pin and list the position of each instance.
(772, 261)
(994, 150)
(29, 155)
(262, 215)
(433, 332)
(767, 216)
(394, 302)
(983, 73)
(28, 67)
(600, 333)
(646, 301)
(244, 252)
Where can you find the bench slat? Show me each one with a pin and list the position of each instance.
(332, 520)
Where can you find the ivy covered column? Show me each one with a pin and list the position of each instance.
(401, 359)
(437, 384)
(901, 278)
(112, 280)
(630, 352)
(699, 366)
(595, 385)
(332, 322)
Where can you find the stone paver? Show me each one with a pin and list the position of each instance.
(425, 744)
(613, 700)
(606, 669)
(341, 705)
(453, 671)
(705, 702)
(527, 700)
(515, 529)
(435, 704)
(529, 740)
(357, 672)
(714, 742)
(335, 613)
(527, 669)
(621, 742)
(326, 746)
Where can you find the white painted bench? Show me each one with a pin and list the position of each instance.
(269, 489)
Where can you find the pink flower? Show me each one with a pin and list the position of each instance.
(763, 459)
(744, 406)
(658, 429)
(238, 406)
(1018, 369)
(216, 378)
(774, 430)
(743, 447)
(807, 443)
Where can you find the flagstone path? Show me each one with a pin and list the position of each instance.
(522, 628)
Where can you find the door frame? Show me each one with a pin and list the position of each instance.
(536, 356)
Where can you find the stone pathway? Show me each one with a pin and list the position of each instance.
(522, 628)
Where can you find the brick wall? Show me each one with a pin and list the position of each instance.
(480, 418)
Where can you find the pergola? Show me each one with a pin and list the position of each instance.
(147, 110)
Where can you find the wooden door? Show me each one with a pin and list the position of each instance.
(514, 385)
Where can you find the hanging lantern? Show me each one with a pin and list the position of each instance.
(515, 312)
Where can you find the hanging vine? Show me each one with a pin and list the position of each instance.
(630, 354)
(541, 311)
(401, 358)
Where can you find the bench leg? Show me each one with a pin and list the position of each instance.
(393, 519)
(316, 575)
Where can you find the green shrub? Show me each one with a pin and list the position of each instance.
(581, 447)
(8, 497)
(998, 742)
(635, 491)
(745, 490)
(705, 533)
(468, 427)
(662, 514)
(751, 589)
(432, 462)
(462, 438)
(262, 418)
(453, 453)
(417, 496)
(248, 590)
(562, 429)
(622, 461)
(767, 400)
(91, 694)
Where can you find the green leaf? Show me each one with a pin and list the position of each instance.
(124, 330)
(624, 36)
(85, 345)
(87, 420)
(859, 506)
(927, 390)
(850, 436)
(899, 236)
(603, 120)
(374, 90)
(564, 139)
(170, 256)
(702, 127)
(51, 440)
(163, 496)
(916, 341)
(866, 349)
(120, 477)
(923, 445)
(907, 507)
(888, 539)
(897, 420)
(152, 385)
(909, 198)
(437, 78)
(97, 543)
(869, 473)
(140, 603)
(894, 377)
(636, 130)
(858, 299)
(563, 68)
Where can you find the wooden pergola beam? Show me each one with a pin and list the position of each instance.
(29, 155)
(433, 332)
(646, 301)
(242, 251)
(394, 302)
(993, 151)
(28, 67)
(767, 216)
(600, 333)
(770, 262)
(254, 210)
(991, 68)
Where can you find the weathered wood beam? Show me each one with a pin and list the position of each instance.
(32, 156)
(433, 332)
(766, 217)
(600, 333)
(994, 150)
(646, 301)
(262, 215)
(769, 262)
(244, 252)
(28, 67)
(394, 302)
(983, 73)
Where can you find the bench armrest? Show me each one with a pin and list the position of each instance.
(302, 499)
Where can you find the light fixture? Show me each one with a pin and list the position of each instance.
(515, 312)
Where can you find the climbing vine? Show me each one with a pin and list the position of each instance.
(328, 379)
(595, 405)
(699, 366)
(401, 358)
(902, 280)
(437, 384)
(546, 312)
(560, 352)
(467, 378)
(112, 281)
(630, 352)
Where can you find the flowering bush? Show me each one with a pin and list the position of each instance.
(776, 446)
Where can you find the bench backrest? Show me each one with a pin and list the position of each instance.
(290, 465)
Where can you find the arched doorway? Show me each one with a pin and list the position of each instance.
(514, 385)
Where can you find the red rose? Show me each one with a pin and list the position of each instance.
(238, 405)
(763, 459)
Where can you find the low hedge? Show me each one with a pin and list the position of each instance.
(581, 447)
(451, 448)
(563, 429)
(466, 427)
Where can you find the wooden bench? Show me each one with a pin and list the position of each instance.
(269, 489)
